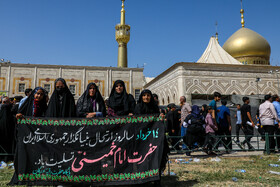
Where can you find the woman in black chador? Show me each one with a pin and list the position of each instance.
(120, 103)
(62, 103)
(91, 103)
(35, 105)
(146, 104)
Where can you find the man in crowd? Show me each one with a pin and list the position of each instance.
(225, 125)
(275, 99)
(238, 122)
(27, 93)
(213, 105)
(268, 116)
(185, 111)
(173, 124)
(247, 123)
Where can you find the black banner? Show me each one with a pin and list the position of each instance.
(101, 151)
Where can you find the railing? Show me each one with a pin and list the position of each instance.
(256, 143)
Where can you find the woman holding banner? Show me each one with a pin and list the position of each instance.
(35, 105)
(120, 103)
(91, 103)
(62, 103)
(146, 104)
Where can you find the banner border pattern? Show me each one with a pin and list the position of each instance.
(88, 122)
(89, 178)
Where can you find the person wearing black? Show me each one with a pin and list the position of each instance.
(15, 107)
(91, 103)
(173, 124)
(161, 109)
(62, 103)
(194, 123)
(6, 128)
(203, 110)
(35, 105)
(146, 104)
(246, 120)
(120, 103)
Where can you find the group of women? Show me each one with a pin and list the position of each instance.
(89, 105)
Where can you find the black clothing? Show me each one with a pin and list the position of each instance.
(85, 103)
(27, 108)
(247, 129)
(249, 132)
(14, 109)
(204, 112)
(227, 140)
(270, 130)
(195, 129)
(146, 108)
(238, 127)
(7, 129)
(62, 103)
(244, 109)
(277, 132)
(173, 123)
(209, 141)
(122, 103)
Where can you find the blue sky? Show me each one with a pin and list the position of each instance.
(163, 32)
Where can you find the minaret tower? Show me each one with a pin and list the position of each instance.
(122, 37)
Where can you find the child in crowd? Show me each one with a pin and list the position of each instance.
(210, 132)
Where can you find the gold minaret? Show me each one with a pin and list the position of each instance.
(242, 16)
(122, 37)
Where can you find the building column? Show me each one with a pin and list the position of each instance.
(84, 78)
(8, 82)
(35, 77)
(60, 72)
(130, 82)
(107, 84)
(110, 81)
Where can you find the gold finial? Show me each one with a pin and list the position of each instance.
(242, 16)
(122, 14)
(217, 31)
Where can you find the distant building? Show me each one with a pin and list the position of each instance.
(241, 67)
(15, 78)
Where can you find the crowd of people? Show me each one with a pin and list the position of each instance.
(199, 127)
(203, 127)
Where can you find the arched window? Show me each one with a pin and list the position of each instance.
(162, 101)
(168, 100)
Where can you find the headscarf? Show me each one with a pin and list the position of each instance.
(204, 112)
(84, 104)
(146, 108)
(122, 103)
(30, 107)
(196, 112)
(67, 108)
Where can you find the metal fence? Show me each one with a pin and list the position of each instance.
(227, 143)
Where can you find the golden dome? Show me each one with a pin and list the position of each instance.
(248, 47)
